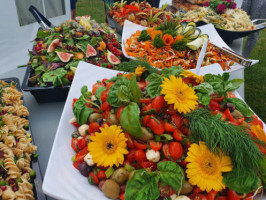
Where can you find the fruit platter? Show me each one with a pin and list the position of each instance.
(132, 136)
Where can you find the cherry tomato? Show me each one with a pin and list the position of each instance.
(140, 145)
(146, 120)
(75, 164)
(122, 196)
(101, 175)
(74, 101)
(147, 107)
(197, 197)
(185, 130)
(183, 163)
(76, 124)
(169, 110)
(95, 87)
(231, 95)
(119, 111)
(221, 198)
(109, 85)
(240, 120)
(211, 195)
(177, 120)
(74, 144)
(93, 178)
(94, 127)
(229, 115)
(232, 195)
(82, 143)
(140, 156)
(149, 165)
(106, 106)
(131, 155)
(166, 190)
(217, 98)
(157, 103)
(214, 105)
(80, 155)
(156, 126)
(196, 190)
(104, 81)
(178, 135)
(145, 101)
(104, 95)
(141, 85)
(169, 127)
(156, 146)
(129, 141)
(175, 150)
(166, 151)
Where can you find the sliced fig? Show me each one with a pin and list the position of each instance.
(113, 59)
(64, 57)
(55, 42)
(90, 51)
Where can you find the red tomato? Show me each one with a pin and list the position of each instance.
(75, 164)
(75, 124)
(80, 155)
(131, 155)
(82, 143)
(104, 81)
(196, 190)
(177, 120)
(94, 179)
(166, 190)
(104, 95)
(94, 127)
(219, 112)
(175, 150)
(106, 106)
(109, 85)
(141, 85)
(178, 135)
(232, 195)
(146, 120)
(140, 156)
(166, 151)
(158, 102)
(74, 144)
(156, 126)
(140, 145)
(129, 141)
(95, 87)
(211, 195)
(197, 197)
(101, 175)
(119, 111)
(122, 196)
(149, 165)
(217, 98)
(185, 130)
(169, 127)
(221, 198)
(74, 101)
(169, 110)
(156, 146)
(214, 105)
(147, 107)
(229, 115)
(240, 120)
(145, 101)
(183, 163)
(231, 95)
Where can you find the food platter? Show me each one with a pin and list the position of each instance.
(60, 169)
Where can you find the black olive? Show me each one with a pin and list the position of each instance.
(231, 107)
(96, 102)
(84, 169)
(100, 121)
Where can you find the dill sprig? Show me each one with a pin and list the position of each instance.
(232, 140)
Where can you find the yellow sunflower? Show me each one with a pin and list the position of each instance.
(180, 94)
(204, 168)
(259, 132)
(138, 71)
(108, 147)
(189, 74)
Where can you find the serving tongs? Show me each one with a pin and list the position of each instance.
(261, 25)
(234, 56)
(45, 24)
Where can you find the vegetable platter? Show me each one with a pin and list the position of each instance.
(157, 152)
(186, 57)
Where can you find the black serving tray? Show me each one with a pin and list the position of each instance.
(114, 25)
(38, 193)
(44, 94)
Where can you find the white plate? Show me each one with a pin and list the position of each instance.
(62, 180)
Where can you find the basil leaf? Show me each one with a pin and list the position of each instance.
(81, 112)
(84, 115)
(143, 186)
(54, 76)
(78, 106)
(204, 88)
(98, 92)
(204, 99)
(153, 88)
(84, 37)
(84, 90)
(135, 90)
(171, 174)
(73, 63)
(124, 95)
(225, 76)
(95, 40)
(263, 174)
(129, 119)
(241, 106)
(243, 184)
(172, 71)
(233, 84)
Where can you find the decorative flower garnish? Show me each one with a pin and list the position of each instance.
(189, 74)
(180, 94)
(138, 71)
(204, 168)
(259, 132)
(233, 5)
(221, 8)
(206, 4)
(108, 147)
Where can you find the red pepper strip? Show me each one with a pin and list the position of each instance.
(229, 115)
(132, 8)
(117, 14)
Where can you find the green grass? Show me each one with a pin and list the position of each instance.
(255, 76)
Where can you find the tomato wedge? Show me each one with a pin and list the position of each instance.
(80, 155)
(156, 126)
(169, 127)
(145, 101)
(229, 115)
(157, 103)
(178, 135)
(177, 120)
(156, 146)
(140, 145)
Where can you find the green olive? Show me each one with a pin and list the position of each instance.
(120, 176)
(236, 114)
(112, 119)
(94, 116)
(111, 189)
(186, 188)
(146, 135)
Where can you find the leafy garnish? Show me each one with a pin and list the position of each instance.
(144, 36)
(98, 93)
(153, 88)
(135, 90)
(241, 106)
(158, 41)
(55, 76)
(81, 112)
